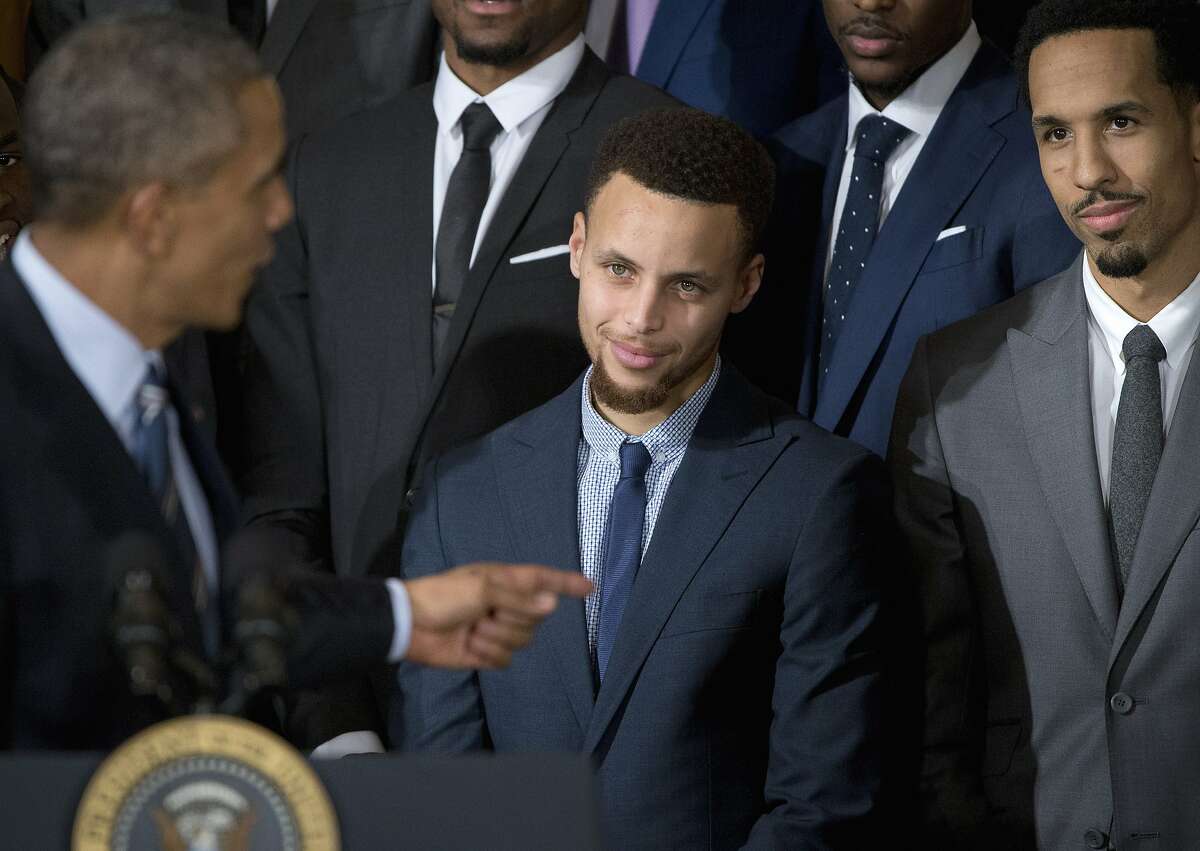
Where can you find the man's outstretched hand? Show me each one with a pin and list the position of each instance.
(477, 615)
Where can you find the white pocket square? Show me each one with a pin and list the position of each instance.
(949, 232)
(540, 254)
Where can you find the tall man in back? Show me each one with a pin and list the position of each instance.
(932, 209)
(726, 677)
(1046, 462)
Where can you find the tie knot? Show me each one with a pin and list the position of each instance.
(1142, 342)
(878, 137)
(479, 127)
(635, 460)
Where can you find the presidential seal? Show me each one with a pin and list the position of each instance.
(205, 783)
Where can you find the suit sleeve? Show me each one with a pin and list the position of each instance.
(284, 483)
(433, 710)
(951, 795)
(1042, 244)
(824, 770)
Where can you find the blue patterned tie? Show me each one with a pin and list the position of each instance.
(151, 451)
(626, 519)
(877, 139)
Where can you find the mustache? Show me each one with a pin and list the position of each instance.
(871, 26)
(1098, 195)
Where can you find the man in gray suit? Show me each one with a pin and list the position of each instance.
(1050, 519)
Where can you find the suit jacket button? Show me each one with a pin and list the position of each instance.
(409, 496)
(1121, 703)
(1093, 838)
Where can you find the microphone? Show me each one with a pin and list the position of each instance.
(141, 624)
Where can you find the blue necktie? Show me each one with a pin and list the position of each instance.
(877, 139)
(626, 519)
(151, 451)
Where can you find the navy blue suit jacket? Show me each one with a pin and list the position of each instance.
(742, 700)
(760, 63)
(68, 488)
(978, 170)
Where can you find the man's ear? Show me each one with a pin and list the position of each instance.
(576, 243)
(149, 217)
(749, 283)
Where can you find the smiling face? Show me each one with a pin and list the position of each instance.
(888, 43)
(16, 199)
(508, 33)
(222, 229)
(1120, 151)
(657, 278)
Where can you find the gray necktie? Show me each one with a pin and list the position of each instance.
(1137, 445)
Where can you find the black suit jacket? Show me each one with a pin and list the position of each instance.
(331, 57)
(68, 488)
(342, 400)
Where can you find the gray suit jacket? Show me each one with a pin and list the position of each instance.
(331, 57)
(1052, 709)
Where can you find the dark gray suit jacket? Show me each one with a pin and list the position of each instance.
(331, 57)
(742, 704)
(342, 400)
(1052, 709)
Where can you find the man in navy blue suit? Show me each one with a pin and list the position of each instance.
(761, 64)
(725, 678)
(932, 208)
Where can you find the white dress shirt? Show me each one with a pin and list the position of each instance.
(111, 364)
(1176, 326)
(918, 109)
(520, 105)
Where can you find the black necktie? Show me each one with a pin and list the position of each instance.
(1137, 445)
(623, 554)
(249, 17)
(466, 196)
(877, 139)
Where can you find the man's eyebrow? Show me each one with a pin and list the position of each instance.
(1111, 111)
(8, 138)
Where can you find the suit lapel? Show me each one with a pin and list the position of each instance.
(536, 466)
(282, 32)
(727, 456)
(674, 23)
(1052, 380)
(954, 158)
(1172, 511)
(545, 151)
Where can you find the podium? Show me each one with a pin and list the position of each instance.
(517, 801)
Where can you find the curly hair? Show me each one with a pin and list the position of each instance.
(1174, 23)
(688, 154)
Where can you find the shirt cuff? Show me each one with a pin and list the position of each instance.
(402, 617)
(359, 741)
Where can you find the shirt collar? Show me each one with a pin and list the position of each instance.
(919, 106)
(1176, 325)
(107, 359)
(664, 442)
(516, 100)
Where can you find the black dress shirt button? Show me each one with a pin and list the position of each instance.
(1093, 838)
(1121, 703)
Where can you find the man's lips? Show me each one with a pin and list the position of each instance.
(635, 357)
(871, 42)
(1108, 217)
(492, 7)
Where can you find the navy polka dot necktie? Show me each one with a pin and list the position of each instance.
(876, 139)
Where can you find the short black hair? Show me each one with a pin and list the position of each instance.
(1175, 25)
(688, 154)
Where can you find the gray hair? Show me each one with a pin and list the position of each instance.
(128, 100)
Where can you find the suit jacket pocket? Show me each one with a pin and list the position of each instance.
(1000, 743)
(714, 610)
(955, 250)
